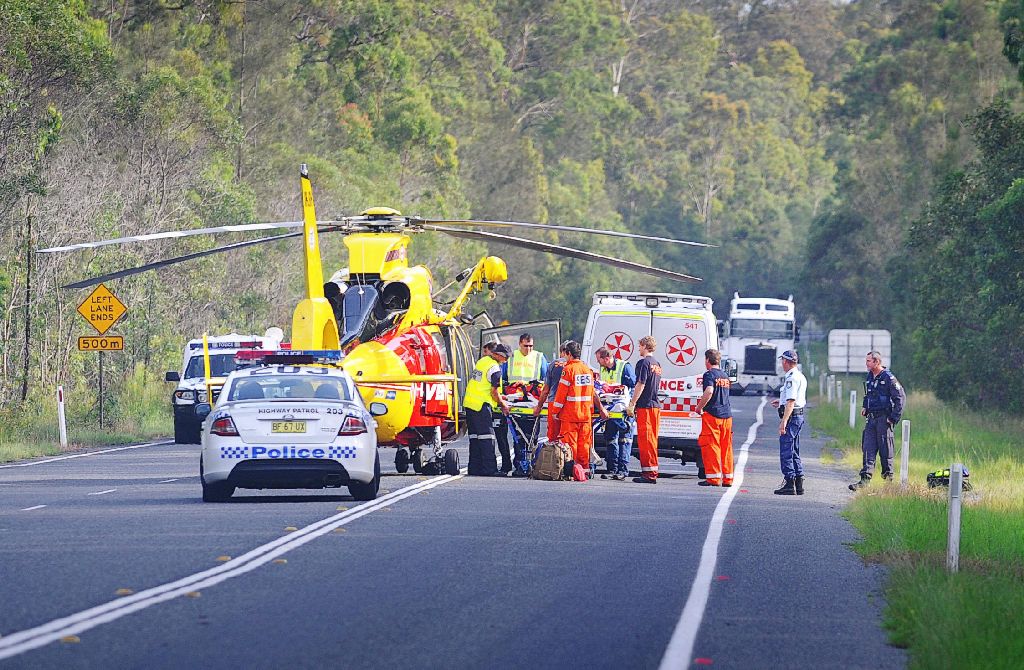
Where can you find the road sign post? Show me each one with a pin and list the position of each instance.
(905, 455)
(62, 426)
(102, 310)
(956, 481)
(853, 409)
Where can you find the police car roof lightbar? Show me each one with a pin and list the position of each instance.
(247, 344)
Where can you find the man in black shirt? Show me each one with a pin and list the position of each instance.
(716, 423)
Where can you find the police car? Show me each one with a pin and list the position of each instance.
(287, 426)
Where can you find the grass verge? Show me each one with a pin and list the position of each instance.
(972, 619)
(138, 412)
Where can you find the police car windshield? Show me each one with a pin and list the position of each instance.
(290, 387)
(762, 328)
(220, 366)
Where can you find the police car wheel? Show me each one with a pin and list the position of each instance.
(367, 491)
(402, 460)
(451, 462)
(219, 492)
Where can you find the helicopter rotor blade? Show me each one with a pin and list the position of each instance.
(182, 233)
(92, 281)
(574, 229)
(565, 251)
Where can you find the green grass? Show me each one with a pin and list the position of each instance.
(139, 411)
(974, 618)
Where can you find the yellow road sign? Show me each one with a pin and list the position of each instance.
(101, 343)
(102, 309)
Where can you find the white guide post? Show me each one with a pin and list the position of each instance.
(839, 392)
(956, 482)
(62, 425)
(905, 454)
(853, 409)
(831, 384)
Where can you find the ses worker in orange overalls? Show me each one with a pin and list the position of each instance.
(574, 405)
(716, 423)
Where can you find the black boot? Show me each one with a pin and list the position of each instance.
(788, 488)
(799, 486)
(864, 481)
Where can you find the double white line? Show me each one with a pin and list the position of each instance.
(679, 652)
(32, 638)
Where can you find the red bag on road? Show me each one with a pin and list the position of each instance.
(579, 473)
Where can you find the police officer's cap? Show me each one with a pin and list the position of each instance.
(502, 350)
(790, 356)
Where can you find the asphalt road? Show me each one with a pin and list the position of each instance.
(439, 572)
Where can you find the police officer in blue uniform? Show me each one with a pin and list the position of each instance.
(884, 399)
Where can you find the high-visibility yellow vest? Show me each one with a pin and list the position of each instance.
(524, 368)
(478, 389)
(613, 376)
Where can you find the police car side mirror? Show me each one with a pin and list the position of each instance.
(378, 409)
(202, 411)
(172, 376)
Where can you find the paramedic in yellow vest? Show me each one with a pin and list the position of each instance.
(480, 401)
(526, 365)
(618, 432)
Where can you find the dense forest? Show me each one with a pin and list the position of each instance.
(865, 156)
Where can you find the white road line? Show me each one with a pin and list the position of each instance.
(680, 648)
(100, 493)
(84, 454)
(167, 481)
(29, 509)
(26, 640)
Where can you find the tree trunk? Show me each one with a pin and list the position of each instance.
(28, 299)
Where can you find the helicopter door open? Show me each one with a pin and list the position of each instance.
(461, 358)
(547, 335)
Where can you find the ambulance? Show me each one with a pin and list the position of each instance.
(684, 327)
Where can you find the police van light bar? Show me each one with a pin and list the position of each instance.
(248, 344)
(290, 357)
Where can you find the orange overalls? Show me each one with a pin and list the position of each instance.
(574, 406)
(716, 448)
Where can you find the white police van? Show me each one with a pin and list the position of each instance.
(191, 380)
(684, 328)
(755, 335)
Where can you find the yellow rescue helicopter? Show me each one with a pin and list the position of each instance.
(409, 356)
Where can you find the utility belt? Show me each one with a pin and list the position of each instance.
(797, 411)
(878, 415)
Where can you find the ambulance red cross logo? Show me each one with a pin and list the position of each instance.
(620, 344)
(681, 350)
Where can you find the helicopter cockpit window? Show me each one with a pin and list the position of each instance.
(358, 318)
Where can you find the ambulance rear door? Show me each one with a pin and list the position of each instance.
(617, 328)
(682, 340)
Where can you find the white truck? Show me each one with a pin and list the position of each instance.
(756, 333)
(191, 380)
(684, 328)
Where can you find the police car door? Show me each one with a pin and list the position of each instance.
(682, 339)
